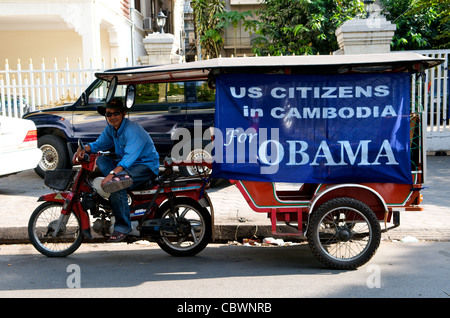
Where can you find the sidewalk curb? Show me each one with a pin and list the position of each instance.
(232, 232)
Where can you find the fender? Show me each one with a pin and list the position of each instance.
(347, 185)
(54, 197)
(61, 197)
(55, 118)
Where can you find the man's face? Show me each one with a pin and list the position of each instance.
(114, 116)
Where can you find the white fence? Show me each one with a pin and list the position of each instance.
(23, 90)
(431, 91)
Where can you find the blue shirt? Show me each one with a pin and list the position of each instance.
(132, 145)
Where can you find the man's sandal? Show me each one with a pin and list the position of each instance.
(119, 182)
(116, 237)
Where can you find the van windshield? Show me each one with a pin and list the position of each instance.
(97, 94)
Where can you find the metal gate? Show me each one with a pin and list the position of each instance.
(430, 93)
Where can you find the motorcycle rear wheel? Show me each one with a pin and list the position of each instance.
(194, 228)
(42, 225)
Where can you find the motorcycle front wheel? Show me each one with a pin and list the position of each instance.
(42, 226)
(192, 232)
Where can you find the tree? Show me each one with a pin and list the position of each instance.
(443, 8)
(206, 20)
(421, 24)
(302, 26)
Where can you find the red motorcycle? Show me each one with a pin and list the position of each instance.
(172, 211)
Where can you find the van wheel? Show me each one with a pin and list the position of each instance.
(196, 154)
(54, 154)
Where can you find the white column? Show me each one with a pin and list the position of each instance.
(371, 35)
(83, 18)
(161, 49)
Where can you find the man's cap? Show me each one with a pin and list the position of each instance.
(115, 104)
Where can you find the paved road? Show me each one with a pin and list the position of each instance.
(408, 270)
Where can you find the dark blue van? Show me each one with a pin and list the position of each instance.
(161, 108)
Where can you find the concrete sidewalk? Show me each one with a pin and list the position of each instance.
(234, 219)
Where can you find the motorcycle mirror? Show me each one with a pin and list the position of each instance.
(130, 96)
(80, 144)
(83, 99)
(111, 89)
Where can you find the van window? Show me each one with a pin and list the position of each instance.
(150, 93)
(199, 92)
(204, 93)
(175, 92)
(155, 93)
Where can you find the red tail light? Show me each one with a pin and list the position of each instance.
(31, 136)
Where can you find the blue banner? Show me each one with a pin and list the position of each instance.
(313, 128)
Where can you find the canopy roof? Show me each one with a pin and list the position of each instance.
(306, 64)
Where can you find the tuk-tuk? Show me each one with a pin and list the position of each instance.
(338, 129)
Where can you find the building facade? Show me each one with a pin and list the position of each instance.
(102, 33)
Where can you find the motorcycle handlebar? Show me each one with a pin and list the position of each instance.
(170, 162)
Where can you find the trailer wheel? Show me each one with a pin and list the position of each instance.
(344, 233)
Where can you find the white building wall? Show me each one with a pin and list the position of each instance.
(99, 27)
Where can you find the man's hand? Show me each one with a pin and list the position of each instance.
(107, 179)
(81, 152)
(110, 176)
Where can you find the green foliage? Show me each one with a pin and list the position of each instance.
(442, 8)
(421, 24)
(302, 26)
(308, 26)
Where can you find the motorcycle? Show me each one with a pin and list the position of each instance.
(170, 210)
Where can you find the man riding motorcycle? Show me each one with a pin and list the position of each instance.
(137, 163)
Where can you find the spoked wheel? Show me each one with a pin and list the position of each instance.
(344, 233)
(43, 224)
(192, 232)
